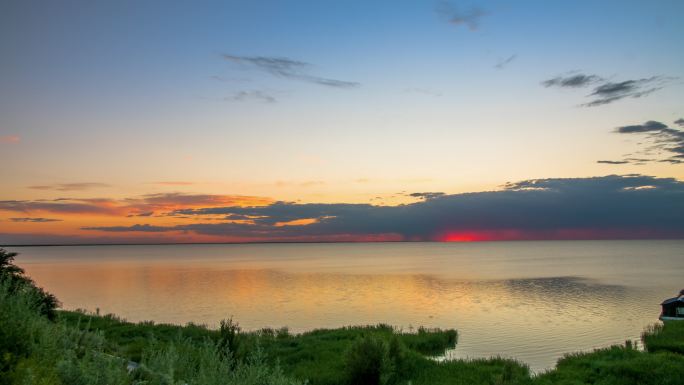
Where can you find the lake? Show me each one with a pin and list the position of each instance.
(533, 301)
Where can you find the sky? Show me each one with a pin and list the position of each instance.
(242, 121)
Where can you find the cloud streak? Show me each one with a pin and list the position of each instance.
(661, 141)
(35, 220)
(501, 64)
(606, 92)
(70, 186)
(146, 205)
(469, 19)
(572, 81)
(252, 95)
(288, 69)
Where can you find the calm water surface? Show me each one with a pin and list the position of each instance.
(532, 301)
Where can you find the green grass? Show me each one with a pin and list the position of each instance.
(617, 365)
(668, 337)
(315, 356)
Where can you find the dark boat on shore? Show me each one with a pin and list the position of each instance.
(673, 308)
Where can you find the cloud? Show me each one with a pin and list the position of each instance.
(257, 95)
(289, 69)
(142, 214)
(136, 206)
(469, 19)
(10, 139)
(606, 92)
(679, 122)
(611, 92)
(660, 139)
(134, 228)
(505, 62)
(649, 126)
(612, 161)
(70, 186)
(629, 206)
(63, 206)
(572, 81)
(427, 195)
(35, 220)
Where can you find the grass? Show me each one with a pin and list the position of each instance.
(617, 365)
(315, 356)
(668, 337)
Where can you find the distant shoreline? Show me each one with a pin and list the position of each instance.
(329, 242)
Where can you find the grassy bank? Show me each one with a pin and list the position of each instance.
(320, 356)
(40, 345)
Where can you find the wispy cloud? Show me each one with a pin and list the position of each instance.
(35, 220)
(502, 63)
(614, 91)
(10, 139)
(663, 144)
(427, 195)
(679, 122)
(256, 95)
(145, 205)
(572, 81)
(606, 92)
(469, 18)
(70, 186)
(288, 68)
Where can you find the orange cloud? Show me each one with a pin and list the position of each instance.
(145, 205)
(297, 222)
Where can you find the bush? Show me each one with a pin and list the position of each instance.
(229, 337)
(46, 303)
(37, 351)
(368, 363)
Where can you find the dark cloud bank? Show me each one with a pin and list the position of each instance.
(630, 206)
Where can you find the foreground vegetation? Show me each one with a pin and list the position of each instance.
(40, 345)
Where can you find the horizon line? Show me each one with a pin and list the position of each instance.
(329, 242)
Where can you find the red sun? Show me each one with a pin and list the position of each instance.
(464, 236)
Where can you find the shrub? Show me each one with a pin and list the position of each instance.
(368, 363)
(46, 303)
(229, 337)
